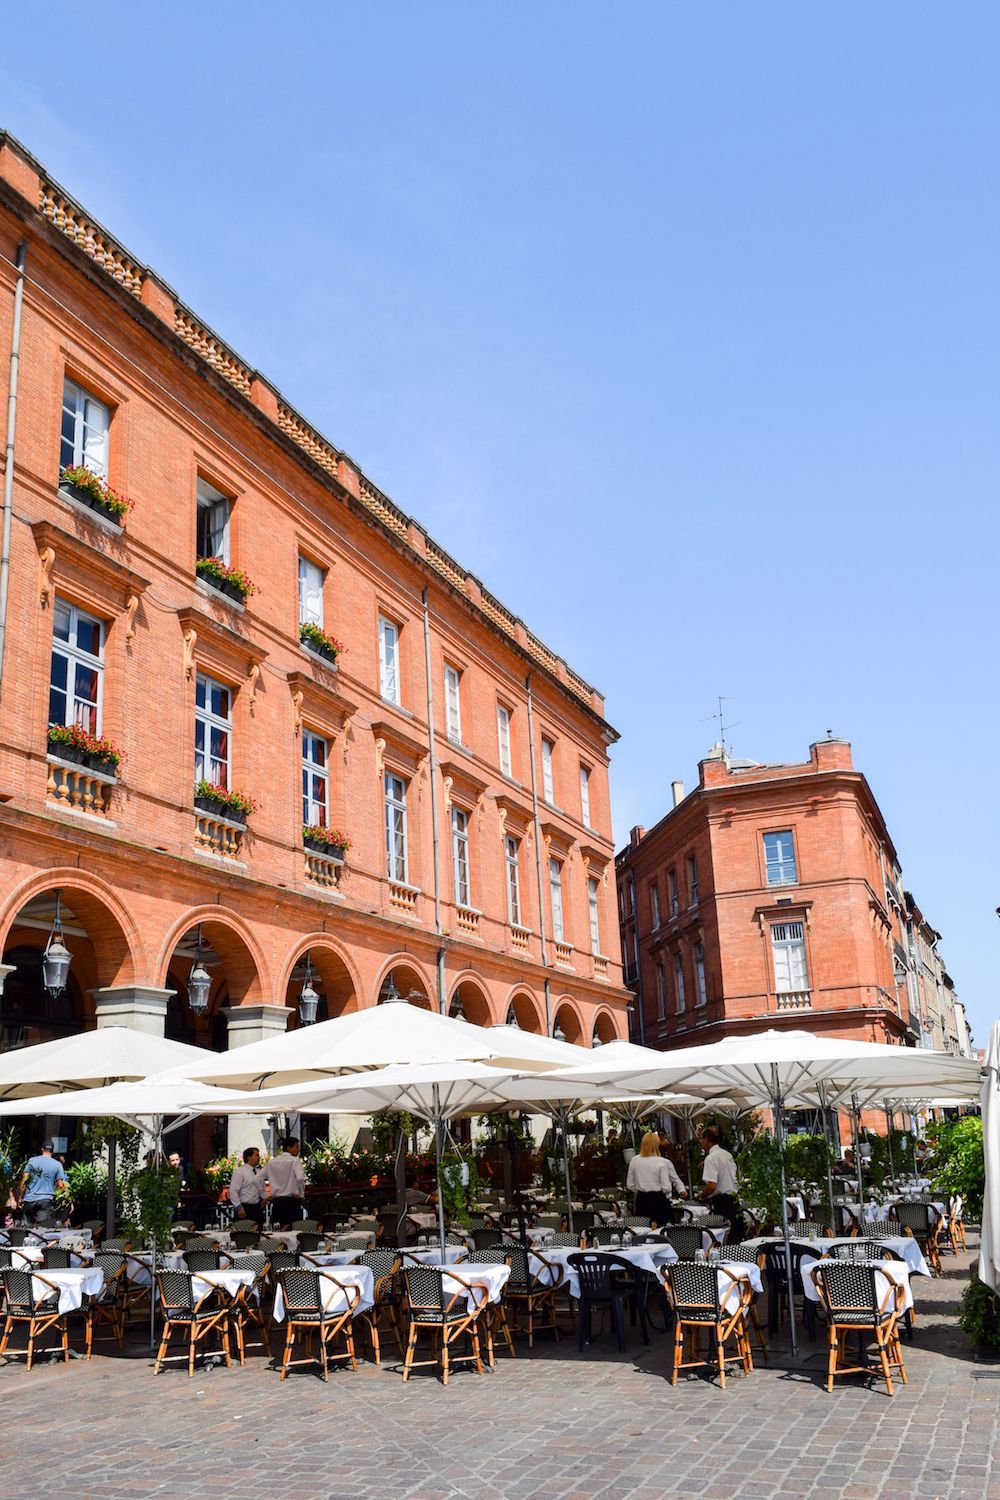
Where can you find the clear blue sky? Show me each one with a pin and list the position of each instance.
(677, 323)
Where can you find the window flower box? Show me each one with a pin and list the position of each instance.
(232, 582)
(218, 802)
(328, 841)
(317, 641)
(91, 490)
(70, 742)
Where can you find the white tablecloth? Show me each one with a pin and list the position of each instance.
(431, 1255)
(334, 1298)
(902, 1245)
(331, 1257)
(228, 1280)
(495, 1277)
(23, 1256)
(73, 1286)
(137, 1265)
(68, 1237)
(643, 1257)
(888, 1270)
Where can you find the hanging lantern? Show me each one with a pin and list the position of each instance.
(558, 1035)
(308, 999)
(199, 981)
(392, 995)
(457, 1012)
(56, 958)
(596, 1042)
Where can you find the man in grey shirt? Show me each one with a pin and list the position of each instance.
(43, 1177)
(286, 1182)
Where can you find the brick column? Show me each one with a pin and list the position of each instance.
(252, 1023)
(140, 1006)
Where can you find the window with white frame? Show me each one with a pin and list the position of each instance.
(661, 993)
(512, 851)
(315, 779)
(212, 539)
(788, 947)
(692, 871)
(779, 858)
(311, 580)
(213, 716)
(453, 703)
(77, 672)
(585, 795)
(555, 897)
(699, 969)
(679, 983)
(388, 659)
(548, 782)
(460, 855)
(654, 902)
(503, 739)
(675, 903)
(86, 423)
(395, 828)
(595, 920)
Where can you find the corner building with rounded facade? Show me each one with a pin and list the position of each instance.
(442, 712)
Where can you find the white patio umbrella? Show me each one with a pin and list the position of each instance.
(989, 1244)
(91, 1059)
(436, 1091)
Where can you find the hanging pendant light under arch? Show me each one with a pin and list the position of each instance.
(57, 957)
(308, 998)
(199, 983)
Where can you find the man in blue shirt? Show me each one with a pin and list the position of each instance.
(43, 1176)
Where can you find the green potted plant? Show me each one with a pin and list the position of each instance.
(328, 841)
(222, 803)
(96, 752)
(232, 582)
(91, 490)
(317, 641)
(979, 1315)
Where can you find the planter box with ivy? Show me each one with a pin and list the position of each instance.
(329, 842)
(319, 643)
(91, 490)
(69, 742)
(234, 807)
(232, 582)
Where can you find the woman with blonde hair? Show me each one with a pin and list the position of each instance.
(653, 1180)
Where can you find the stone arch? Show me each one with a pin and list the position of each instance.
(239, 973)
(469, 990)
(527, 1010)
(116, 953)
(336, 976)
(410, 978)
(604, 1027)
(567, 1016)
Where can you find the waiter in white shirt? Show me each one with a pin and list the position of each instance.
(286, 1182)
(247, 1189)
(718, 1175)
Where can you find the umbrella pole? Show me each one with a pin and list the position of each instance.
(829, 1170)
(888, 1121)
(437, 1164)
(780, 1138)
(564, 1119)
(109, 1207)
(856, 1118)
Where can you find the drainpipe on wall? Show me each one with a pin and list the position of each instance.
(542, 926)
(8, 473)
(432, 746)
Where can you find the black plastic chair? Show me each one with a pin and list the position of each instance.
(776, 1276)
(610, 1281)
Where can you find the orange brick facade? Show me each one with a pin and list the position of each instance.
(138, 867)
(798, 916)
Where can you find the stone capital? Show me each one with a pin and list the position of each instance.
(141, 1006)
(252, 1023)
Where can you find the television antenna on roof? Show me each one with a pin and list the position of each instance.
(724, 728)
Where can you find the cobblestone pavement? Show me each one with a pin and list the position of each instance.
(557, 1425)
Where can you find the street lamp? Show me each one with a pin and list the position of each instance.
(199, 981)
(308, 999)
(57, 957)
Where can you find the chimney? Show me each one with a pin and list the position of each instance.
(636, 835)
(677, 788)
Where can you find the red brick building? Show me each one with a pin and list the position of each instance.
(467, 764)
(768, 897)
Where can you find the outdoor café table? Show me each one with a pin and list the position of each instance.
(24, 1256)
(138, 1264)
(430, 1255)
(74, 1285)
(331, 1257)
(888, 1270)
(905, 1246)
(227, 1279)
(644, 1257)
(495, 1277)
(331, 1290)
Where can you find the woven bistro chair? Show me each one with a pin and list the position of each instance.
(495, 1320)
(868, 1250)
(56, 1258)
(96, 1227)
(750, 1254)
(880, 1229)
(270, 1246)
(686, 1239)
(699, 1305)
(563, 1238)
(107, 1308)
(530, 1296)
(363, 1241)
(117, 1242)
(39, 1313)
(199, 1242)
(306, 1316)
(548, 1221)
(245, 1309)
(923, 1222)
(607, 1280)
(487, 1239)
(445, 1315)
(310, 1226)
(384, 1266)
(206, 1260)
(197, 1316)
(804, 1229)
(848, 1294)
(21, 1236)
(244, 1234)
